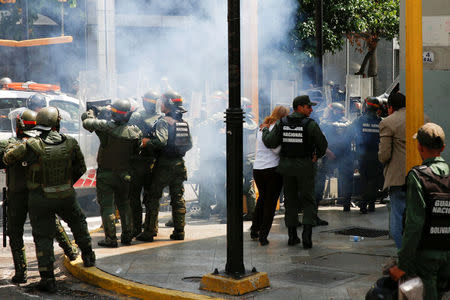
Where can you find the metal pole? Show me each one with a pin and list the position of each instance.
(234, 120)
(414, 78)
(319, 42)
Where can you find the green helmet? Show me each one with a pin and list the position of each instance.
(174, 101)
(25, 120)
(149, 100)
(121, 111)
(371, 104)
(48, 118)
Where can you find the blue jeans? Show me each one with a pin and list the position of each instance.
(398, 203)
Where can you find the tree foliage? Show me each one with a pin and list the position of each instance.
(13, 16)
(363, 22)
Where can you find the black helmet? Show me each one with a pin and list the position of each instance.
(371, 104)
(48, 118)
(173, 100)
(36, 102)
(149, 100)
(121, 111)
(5, 81)
(26, 120)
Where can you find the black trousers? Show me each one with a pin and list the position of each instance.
(269, 184)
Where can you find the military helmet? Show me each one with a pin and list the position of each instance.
(47, 118)
(36, 102)
(371, 104)
(174, 101)
(149, 100)
(4, 81)
(26, 120)
(121, 110)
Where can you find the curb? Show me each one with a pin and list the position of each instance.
(97, 277)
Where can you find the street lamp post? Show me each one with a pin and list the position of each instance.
(234, 120)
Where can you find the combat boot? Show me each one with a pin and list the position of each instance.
(371, 206)
(20, 266)
(47, 283)
(109, 227)
(145, 236)
(88, 257)
(307, 236)
(169, 223)
(64, 242)
(150, 227)
(178, 235)
(293, 237)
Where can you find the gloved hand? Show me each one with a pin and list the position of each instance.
(396, 273)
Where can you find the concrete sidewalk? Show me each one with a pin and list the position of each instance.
(335, 268)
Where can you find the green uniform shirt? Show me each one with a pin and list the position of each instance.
(415, 215)
(291, 166)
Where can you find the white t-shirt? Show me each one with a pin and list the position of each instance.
(265, 158)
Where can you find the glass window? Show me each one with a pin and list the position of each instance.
(5, 123)
(13, 102)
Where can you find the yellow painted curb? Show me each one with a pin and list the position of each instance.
(230, 286)
(97, 277)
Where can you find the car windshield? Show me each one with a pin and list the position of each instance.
(13, 102)
(70, 121)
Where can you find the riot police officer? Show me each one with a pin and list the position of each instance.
(119, 142)
(142, 165)
(55, 163)
(366, 134)
(18, 200)
(172, 140)
(212, 165)
(336, 128)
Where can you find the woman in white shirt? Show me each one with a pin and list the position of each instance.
(267, 180)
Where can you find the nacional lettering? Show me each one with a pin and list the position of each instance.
(293, 134)
(439, 230)
(182, 129)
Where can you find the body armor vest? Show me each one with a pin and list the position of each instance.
(179, 140)
(436, 231)
(53, 172)
(369, 135)
(295, 142)
(115, 152)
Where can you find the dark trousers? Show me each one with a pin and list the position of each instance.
(269, 185)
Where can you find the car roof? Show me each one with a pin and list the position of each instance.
(11, 94)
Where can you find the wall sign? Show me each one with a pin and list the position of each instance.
(428, 57)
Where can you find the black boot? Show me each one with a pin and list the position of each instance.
(293, 237)
(177, 235)
(20, 266)
(47, 283)
(88, 257)
(307, 236)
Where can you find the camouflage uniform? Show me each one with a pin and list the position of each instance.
(141, 166)
(119, 142)
(18, 210)
(54, 162)
(169, 171)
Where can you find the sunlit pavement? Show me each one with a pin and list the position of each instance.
(335, 268)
